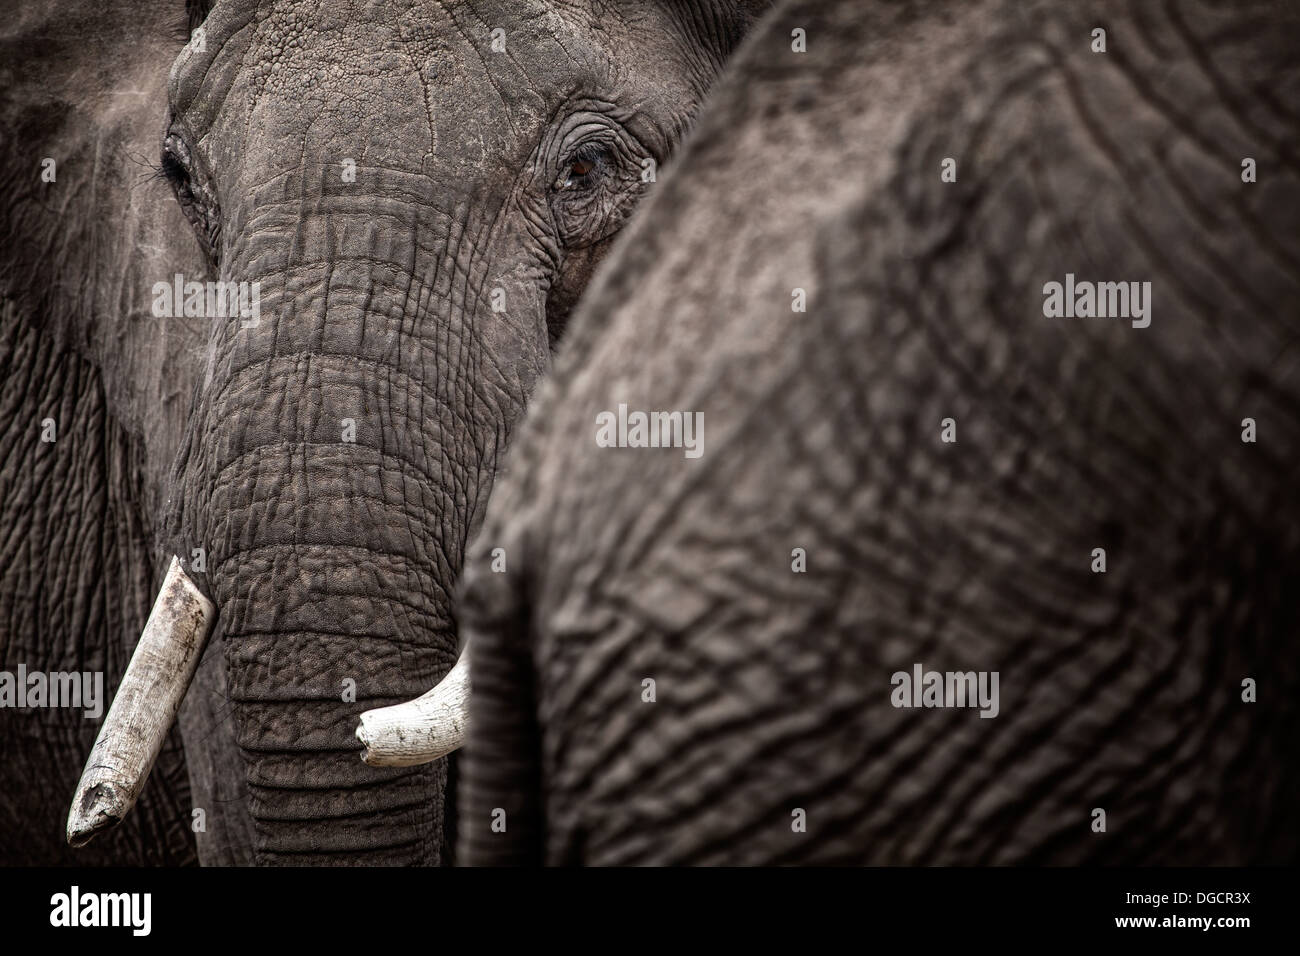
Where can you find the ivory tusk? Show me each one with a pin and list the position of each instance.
(145, 707)
(420, 730)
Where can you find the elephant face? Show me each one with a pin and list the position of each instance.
(419, 194)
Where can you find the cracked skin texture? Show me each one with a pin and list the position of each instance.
(1119, 690)
(78, 566)
(74, 562)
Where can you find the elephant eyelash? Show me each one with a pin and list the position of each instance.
(194, 197)
(592, 155)
(173, 170)
(588, 151)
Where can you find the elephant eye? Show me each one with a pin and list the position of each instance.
(595, 180)
(174, 158)
(195, 196)
(580, 170)
(173, 170)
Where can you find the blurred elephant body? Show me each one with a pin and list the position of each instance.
(418, 195)
(695, 660)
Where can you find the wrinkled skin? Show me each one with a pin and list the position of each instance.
(331, 547)
(84, 84)
(1120, 691)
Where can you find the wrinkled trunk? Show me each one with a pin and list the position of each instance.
(338, 452)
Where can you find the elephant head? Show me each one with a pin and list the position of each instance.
(409, 198)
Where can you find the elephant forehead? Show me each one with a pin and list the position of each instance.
(463, 86)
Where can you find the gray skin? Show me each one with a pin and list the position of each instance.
(84, 83)
(331, 560)
(1120, 691)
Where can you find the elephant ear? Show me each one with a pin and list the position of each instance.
(87, 225)
(94, 390)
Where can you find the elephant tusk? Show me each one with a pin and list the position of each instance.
(420, 730)
(145, 707)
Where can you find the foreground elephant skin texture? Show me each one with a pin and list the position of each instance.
(927, 465)
(413, 196)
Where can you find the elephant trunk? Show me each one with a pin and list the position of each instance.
(330, 476)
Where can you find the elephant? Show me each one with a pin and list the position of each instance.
(974, 539)
(381, 218)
